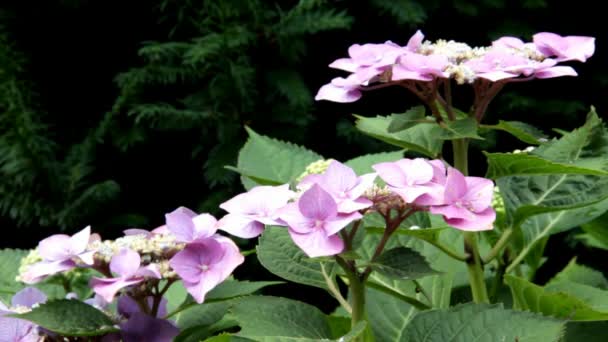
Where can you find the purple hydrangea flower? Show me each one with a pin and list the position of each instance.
(188, 226)
(60, 253)
(127, 265)
(314, 222)
(19, 330)
(250, 211)
(204, 264)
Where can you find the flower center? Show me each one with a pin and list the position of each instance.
(318, 224)
(204, 267)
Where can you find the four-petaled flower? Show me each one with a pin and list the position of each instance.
(60, 253)
(342, 183)
(467, 202)
(250, 211)
(204, 264)
(314, 222)
(188, 226)
(127, 265)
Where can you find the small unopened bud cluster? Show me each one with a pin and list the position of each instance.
(315, 168)
(30, 259)
(157, 246)
(525, 150)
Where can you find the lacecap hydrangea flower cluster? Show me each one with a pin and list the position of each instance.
(508, 59)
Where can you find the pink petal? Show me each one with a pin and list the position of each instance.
(41, 270)
(415, 41)
(317, 204)
(495, 76)
(334, 93)
(418, 170)
(556, 71)
(410, 194)
(108, 287)
(508, 42)
(391, 173)
(231, 259)
(295, 220)
(364, 183)
(401, 72)
(453, 212)
(482, 221)
(204, 225)
(125, 263)
(80, 241)
(439, 171)
(349, 206)
(161, 230)
(28, 297)
(199, 289)
(337, 223)
(317, 243)
(240, 226)
(188, 262)
(479, 193)
(338, 178)
(55, 248)
(148, 271)
(345, 64)
(180, 224)
(88, 258)
(455, 185)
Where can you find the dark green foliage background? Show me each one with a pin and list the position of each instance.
(113, 113)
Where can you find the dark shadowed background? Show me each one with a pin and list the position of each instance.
(113, 113)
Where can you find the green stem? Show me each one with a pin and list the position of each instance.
(448, 251)
(500, 244)
(475, 269)
(357, 288)
(474, 265)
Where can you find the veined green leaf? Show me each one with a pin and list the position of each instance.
(521, 130)
(420, 138)
(406, 120)
(460, 129)
(363, 164)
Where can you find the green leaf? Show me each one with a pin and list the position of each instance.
(596, 232)
(459, 129)
(237, 288)
(556, 303)
(581, 274)
(482, 323)
(262, 317)
(524, 164)
(70, 318)
(521, 130)
(362, 165)
(420, 138)
(406, 120)
(10, 260)
(388, 317)
(270, 161)
(201, 314)
(278, 254)
(402, 263)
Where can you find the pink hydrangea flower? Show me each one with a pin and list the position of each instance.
(417, 181)
(314, 222)
(250, 211)
(413, 66)
(343, 184)
(19, 330)
(188, 226)
(467, 202)
(204, 264)
(566, 48)
(60, 253)
(341, 90)
(127, 265)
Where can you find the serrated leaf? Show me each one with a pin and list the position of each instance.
(406, 120)
(581, 274)
(270, 161)
(460, 129)
(278, 254)
(524, 164)
(528, 296)
(402, 263)
(482, 323)
(265, 318)
(70, 318)
(236, 288)
(420, 138)
(387, 316)
(521, 130)
(363, 164)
